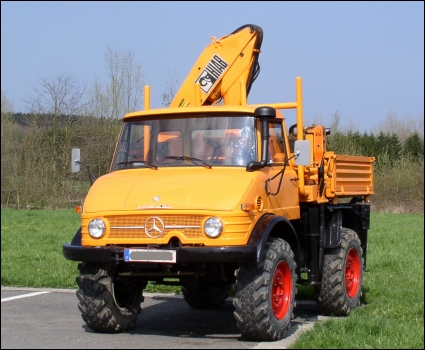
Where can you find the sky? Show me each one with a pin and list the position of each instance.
(363, 60)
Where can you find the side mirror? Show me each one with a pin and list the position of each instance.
(75, 160)
(265, 113)
(302, 152)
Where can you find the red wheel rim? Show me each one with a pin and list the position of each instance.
(352, 273)
(281, 290)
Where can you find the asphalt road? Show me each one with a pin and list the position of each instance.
(51, 320)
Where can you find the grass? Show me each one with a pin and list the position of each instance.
(392, 315)
(31, 248)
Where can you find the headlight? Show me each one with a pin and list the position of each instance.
(96, 228)
(213, 227)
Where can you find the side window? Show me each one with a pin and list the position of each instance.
(169, 144)
(277, 151)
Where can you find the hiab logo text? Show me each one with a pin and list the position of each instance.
(212, 72)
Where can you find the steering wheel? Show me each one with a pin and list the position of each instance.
(215, 157)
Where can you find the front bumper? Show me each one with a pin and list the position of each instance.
(183, 254)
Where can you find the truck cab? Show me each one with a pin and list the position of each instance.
(201, 163)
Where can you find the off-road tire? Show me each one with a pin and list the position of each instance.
(206, 297)
(107, 304)
(263, 305)
(341, 288)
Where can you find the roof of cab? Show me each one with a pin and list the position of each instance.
(247, 109)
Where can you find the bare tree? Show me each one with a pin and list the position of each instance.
(37, 156)
(6, 112)
(170, 90)
(123, 92)
(9, 150)
(107, 104)
(60, 95)
(55, 104)
(402, 127)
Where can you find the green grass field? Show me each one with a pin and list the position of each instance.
(392, 315)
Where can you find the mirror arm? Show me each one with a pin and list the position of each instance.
(92, 177)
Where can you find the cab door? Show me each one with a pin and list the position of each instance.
(281, 185)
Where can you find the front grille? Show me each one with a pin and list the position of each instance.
(134, 226)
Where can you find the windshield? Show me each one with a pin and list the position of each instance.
(188, 141)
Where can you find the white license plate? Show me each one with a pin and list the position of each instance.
(150, 255)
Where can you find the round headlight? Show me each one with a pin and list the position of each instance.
(213, 227)
(96, 228)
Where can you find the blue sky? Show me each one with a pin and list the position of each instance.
(363, 59)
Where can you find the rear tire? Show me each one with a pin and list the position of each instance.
(206, 297)
(265, 293)
(108, 304)
(341, 288)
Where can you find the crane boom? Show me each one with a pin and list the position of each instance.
(220, 69)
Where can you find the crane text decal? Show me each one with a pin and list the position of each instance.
(212, 72)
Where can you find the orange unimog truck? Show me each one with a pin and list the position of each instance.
(213, 192)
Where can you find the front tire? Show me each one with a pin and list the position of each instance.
(265, 293)
(108, 304)
(342, 279)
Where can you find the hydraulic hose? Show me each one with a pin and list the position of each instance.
(255, 69)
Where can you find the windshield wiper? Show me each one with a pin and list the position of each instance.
(136, 162)
(196, 161)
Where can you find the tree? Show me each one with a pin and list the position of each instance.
(123, 92)
(170, 90)
(342, 142)
(58, 95)
(6, 113)
(59, 99)
(10, 138)
(402, 127)
(108, 103)
(414, 146)
(64, 114)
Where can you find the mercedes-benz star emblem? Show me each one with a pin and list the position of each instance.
(154, 227)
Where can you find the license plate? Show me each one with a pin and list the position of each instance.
(150, 255)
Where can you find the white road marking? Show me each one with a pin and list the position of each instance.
(23, 296)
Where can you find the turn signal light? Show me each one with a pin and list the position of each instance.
(247, 206)
(79, 209)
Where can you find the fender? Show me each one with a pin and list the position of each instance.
(357, 218)
(265, 226)
(77, 238)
